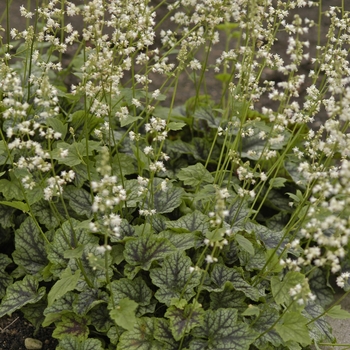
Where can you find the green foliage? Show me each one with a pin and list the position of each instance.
(125, 224)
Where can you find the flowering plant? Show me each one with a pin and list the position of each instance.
(130, 221)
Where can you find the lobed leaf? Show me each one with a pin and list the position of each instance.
(5, 278)
(72, 325)
(141, 337)
(79, 200)
(66, 238)
(143, 250)
(222, 274)
(294, 327)
(319, 287)
(181, 241)
(196, 221)
(183, 320)
(280, 288)
(264, 326)
(174, 278)
(88, 299)
(45, 215)
(163, 333)
(30, 251)
(319, 328)
(21, 293)
(100, 318)
(135, 290)
(59, 307)
(195, 175)
(221, 330)
(6, 216)
(124, 314)
(72, 343)
(228, 297)
(164, 202)
(208, 115)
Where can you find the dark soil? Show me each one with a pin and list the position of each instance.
(15, 329)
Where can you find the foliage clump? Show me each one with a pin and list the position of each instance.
(131, 222)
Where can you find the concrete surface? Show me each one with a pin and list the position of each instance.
(341, 329)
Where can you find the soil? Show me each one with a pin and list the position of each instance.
(15, 329)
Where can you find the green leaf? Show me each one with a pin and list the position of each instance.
(224, 77)
(141, 337)
(74, 156)
(30, 251)
(59, 307)
(196, 221)
(207, 114)
(66, 238)
(273, 264)
(202, 148)
(176, 125)
(57, 126)
(94, 263)
(319, 328)
(79, 200)
(135, 290)
(6, 217)
(239, 210)
(74, 253)
(264, 325)
(124, 313)
(178, 147)
(227, 26)
(124, 164)
(45, 215)
(88, 299)
(195, 175)
(164, 202)
(270, 238)
(67, 283)
(80, 118)
(128, 120)
(338, 313)
(143, 250)
(254, 144)
(174, 278)
(182, 241)
(34, 313)
(183, 320)
(291, 166)
(245, 244)
(280, 289)
(101, 319)
(72, 343)
(229, 297)
(294, 327)
(5, 278)
(277, 182)
(21, 293)
(11, 190)
(221, 330)
(164, 334)
(222, 274)
(255, 262)
(319, 287)
(251, 310)
(18, 205)
(72, 325)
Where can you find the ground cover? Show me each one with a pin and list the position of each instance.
(140, 213)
